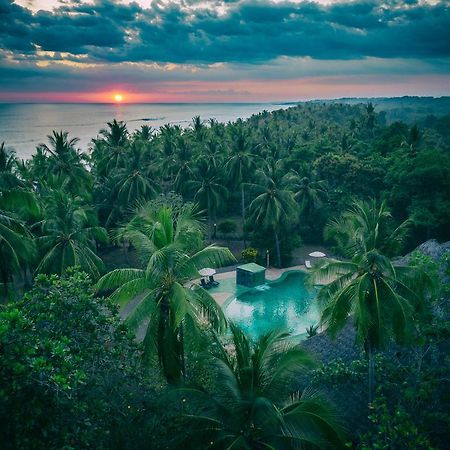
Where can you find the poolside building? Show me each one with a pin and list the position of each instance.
(250, 275)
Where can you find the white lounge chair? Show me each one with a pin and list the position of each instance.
(308, 264)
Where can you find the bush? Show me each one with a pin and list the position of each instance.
(227, 227)
(393, 430)
(249, 254)
(70, 372)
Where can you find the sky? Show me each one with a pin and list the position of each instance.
(222, 50)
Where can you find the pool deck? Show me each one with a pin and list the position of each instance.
(272, 273)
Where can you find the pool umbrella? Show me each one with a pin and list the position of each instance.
(207, 272)
(317, 254)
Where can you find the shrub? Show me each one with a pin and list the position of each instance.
(70, 372)
(249, 254)
(227, 227)
(312, 330)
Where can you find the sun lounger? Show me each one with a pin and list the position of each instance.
(308, 264)
(212, 281)
(204, 284)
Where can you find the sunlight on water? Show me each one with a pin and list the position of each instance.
(262, 287)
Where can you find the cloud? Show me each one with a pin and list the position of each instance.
(91, 45)
(238, 31)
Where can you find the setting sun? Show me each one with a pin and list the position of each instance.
(118, 97)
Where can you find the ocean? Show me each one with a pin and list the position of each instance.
(24, 126)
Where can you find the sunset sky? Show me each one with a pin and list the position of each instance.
(222, 51)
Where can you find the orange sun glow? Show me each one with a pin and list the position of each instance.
(118, 98)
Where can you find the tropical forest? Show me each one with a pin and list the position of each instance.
(113, 337)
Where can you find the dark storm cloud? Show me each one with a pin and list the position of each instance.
(244, 31)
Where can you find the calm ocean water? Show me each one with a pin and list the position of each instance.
(24, 126)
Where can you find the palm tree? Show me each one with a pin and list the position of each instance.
(116, 135)
(65, 161)
(240, 166)
(144, 134)
(370, 117)
(68, 236)
(180, 164)
(309, 194)
(163, 237)
(275, 205)
(198, 128)
(253, 405)
(209, 190)
(366, 226)
(383, 299)
(169, 137)
(17, 248)
(110, 151)
(413, 140)
(8, 162)
(134, 181)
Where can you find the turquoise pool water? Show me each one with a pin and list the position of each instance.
(285, 304)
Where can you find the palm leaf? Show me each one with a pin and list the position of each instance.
(118, 277)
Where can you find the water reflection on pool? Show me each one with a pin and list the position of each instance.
(285, 304)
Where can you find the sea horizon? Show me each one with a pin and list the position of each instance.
(24, 126)
(281, 102)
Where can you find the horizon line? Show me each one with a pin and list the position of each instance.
(285, 102)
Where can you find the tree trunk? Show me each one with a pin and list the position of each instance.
(243, 214)
(277, 245)
(371, 360)
(168, 344)
(182, 357)
(5, 280)
(209, 221)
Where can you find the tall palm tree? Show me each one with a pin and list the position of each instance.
(8, 163)
(111, 149)
(17, 249)
(65, 161)
(163, 237)
(383, 299)
(68, 236)
(366, 226)
(144, 134)
(181, 164)
(413, 140)
(198, 128)
(169, 137)
(240, 166)
(309, 194)
(16, 246)
(275, 205)
(253, 405)
(208, 190)
(134, 181)
(370, 116)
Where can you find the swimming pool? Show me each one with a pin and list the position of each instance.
(284, 303)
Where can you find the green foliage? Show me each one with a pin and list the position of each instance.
(393, 430)
(68, 235)
(249, 254)
(338, 372)
(312, 330)
(227, 227)
(64, 353)
(70, 374)
(252, 404)
(172, 307)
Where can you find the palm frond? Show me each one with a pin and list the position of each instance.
(118, 277)
(142, 311)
